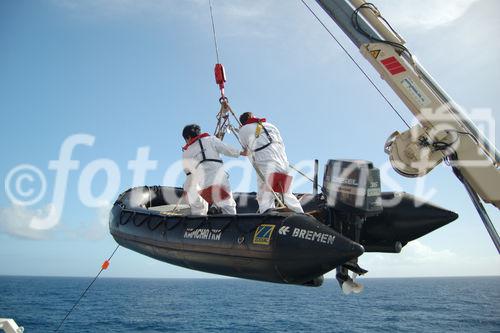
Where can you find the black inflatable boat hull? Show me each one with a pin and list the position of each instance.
(276, 247)
(281, 247)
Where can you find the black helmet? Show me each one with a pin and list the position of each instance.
(245, 116)
(190, 131)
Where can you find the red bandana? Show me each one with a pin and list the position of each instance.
(193, 140)
(254, 120)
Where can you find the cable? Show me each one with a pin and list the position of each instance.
(213, 31)
(356, 63)
(373, 8)
(443, 145)
(103, 267)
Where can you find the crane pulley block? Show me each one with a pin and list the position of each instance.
(220, 75)
(412, 153)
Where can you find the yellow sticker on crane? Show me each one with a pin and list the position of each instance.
(375, 53)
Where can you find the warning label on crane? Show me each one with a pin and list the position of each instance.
(375, 53)
(393, 65)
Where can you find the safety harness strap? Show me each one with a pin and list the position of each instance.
(257, 134)
(205, 159)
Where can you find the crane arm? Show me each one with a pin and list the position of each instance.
(443, 132)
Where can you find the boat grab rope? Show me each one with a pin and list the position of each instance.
(104, 266)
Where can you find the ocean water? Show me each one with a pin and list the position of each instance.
(234, 305)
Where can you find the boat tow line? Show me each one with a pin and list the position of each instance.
(104, 266)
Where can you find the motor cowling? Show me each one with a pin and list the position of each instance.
(353, 186)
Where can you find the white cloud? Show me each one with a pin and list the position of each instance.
(422, 14)
(415, 253)
(109, 9)
(419, 260)
(244, 18)
(17, 221)
(244, 9)
(236, 14)
(94, 229)
(221, 8)
(232, 17)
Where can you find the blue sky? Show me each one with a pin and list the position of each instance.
(131, 74)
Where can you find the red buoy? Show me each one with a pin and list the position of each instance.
(105, 264)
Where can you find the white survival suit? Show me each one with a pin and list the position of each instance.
(204, 169)
(267, 151)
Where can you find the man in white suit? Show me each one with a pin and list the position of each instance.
(267, 151)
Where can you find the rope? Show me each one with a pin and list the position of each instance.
(103, 267)
(356, 63)
(307, 177)
(213, 31)
(223, 121)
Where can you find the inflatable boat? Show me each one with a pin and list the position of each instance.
(278, 246)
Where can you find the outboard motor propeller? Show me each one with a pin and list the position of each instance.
(349, 285)
(353, 188)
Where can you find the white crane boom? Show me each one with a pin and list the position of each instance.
(444, 131)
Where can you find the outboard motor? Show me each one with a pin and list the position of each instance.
(353, 186)
(353, 194)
